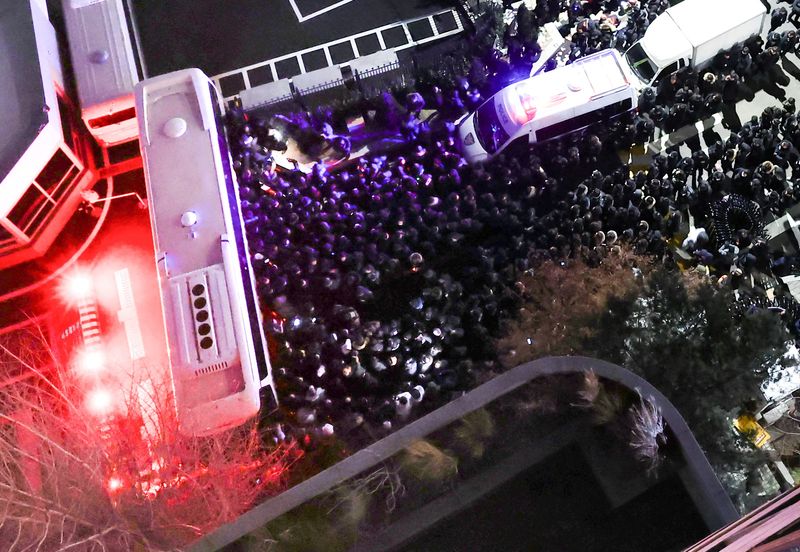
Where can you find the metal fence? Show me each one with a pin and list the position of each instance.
(233, 82)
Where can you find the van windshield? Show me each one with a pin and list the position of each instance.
(491, 134)
(640, 64)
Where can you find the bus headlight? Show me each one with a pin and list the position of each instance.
(469, 140)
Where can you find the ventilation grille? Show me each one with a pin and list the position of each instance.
(216, 367)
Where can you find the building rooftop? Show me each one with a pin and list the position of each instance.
(21, 90)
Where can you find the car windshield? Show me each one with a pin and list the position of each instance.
(640, 63)
(491, 134)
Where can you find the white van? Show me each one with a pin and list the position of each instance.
(594, 89)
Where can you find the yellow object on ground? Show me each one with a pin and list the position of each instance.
(747, 425)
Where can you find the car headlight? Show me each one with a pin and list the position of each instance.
(469, 140)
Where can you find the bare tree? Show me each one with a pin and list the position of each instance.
(71, 479)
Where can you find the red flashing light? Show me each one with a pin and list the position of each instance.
(530, 103)
(115, 484)
(99, 402)
(527, 103)
(77, 287)
(90, 361)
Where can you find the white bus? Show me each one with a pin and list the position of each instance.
(593, 89)
(218, 355)
(105, 67)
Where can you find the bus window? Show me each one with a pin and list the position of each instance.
(27, 213)
(567, 126)
(488, 127)
(112, 118)
(617, 108)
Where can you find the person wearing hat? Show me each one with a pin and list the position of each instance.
(786, 154)
(794, 17)
(709, 83)
(769, 57)
(789, 40)
(763, 174)
(730, 88)
(777, 18)
(744, 65)
(647, 99)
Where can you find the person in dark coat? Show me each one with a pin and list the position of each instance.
(730, 88)
(712, 103)
(777, 18)
(769, 57)
(709, 83)
(744, 66)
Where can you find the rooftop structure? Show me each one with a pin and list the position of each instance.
(774, 527)
(22, 99)
(41, 173)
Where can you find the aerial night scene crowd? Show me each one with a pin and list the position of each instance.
(389, 279)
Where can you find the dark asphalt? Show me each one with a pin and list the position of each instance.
(222, 35)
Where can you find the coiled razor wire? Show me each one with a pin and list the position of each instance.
(735, 207)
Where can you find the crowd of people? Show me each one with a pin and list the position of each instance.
(388, 281)
(600, 25)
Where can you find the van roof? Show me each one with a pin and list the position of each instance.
(701, 20)
(567, 87)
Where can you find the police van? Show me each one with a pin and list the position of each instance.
(592, 90)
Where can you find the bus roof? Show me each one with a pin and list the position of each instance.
(22, 97)
(102, 56)
(566, 88)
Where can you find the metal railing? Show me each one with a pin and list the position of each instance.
(244, 72)
(712, 501)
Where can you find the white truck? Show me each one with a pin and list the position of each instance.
(691, 34)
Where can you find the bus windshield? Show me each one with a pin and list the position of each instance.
(640, 64)
(491, 134)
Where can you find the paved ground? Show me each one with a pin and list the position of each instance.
(219, 36)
